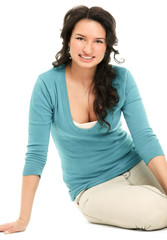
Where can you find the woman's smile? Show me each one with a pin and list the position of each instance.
(86, 58)
(87, 43)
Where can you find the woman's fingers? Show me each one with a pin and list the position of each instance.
(5, 226)
(13, 227)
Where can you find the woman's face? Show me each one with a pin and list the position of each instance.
(87, 43)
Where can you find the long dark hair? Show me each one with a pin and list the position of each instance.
(106, 96)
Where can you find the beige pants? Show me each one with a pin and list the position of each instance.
(133, 200)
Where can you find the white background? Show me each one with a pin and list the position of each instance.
(30, 33)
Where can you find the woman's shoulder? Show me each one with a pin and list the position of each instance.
(54, 73)
(50, 79)
(124, 80)
(120, 71)
(123, 74)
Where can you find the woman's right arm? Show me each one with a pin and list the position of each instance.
(40, 118)
(29, 187)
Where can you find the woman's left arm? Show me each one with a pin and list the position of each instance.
(158, 165)
(145, 140)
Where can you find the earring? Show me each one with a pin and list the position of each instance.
(68, 51)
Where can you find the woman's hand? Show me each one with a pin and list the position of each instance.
(29, 186)
(158, 166)
(17, 226)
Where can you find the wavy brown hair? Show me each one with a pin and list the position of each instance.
(106, 96)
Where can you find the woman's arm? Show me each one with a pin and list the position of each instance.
(29, 187)
(158, 165)
(40, 118)
(145, 140)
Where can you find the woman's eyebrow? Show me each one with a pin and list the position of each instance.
(78, 34)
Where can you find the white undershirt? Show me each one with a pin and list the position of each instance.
(85, 125)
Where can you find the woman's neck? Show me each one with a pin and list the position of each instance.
(83, 76)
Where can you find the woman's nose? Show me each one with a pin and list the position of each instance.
(88, 48)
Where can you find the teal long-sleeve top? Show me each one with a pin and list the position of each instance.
(88, 156)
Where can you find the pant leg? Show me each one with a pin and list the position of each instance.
(142, 175)
(127, 201)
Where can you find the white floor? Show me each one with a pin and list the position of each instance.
(64, 221)
(54, 215)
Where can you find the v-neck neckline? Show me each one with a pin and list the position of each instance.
(67, 106)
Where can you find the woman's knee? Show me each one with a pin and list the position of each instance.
(153, 212)
(142, 207)
(152, 221)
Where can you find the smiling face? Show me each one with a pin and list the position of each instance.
(87, 43)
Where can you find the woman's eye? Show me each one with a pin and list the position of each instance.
(80, 38)
(99, 41)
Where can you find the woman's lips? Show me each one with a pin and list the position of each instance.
(86, 57)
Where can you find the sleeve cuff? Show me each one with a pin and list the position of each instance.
(31, 170)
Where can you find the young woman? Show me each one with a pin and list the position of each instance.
(113, 178)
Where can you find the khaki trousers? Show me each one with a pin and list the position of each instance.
(133, 200)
